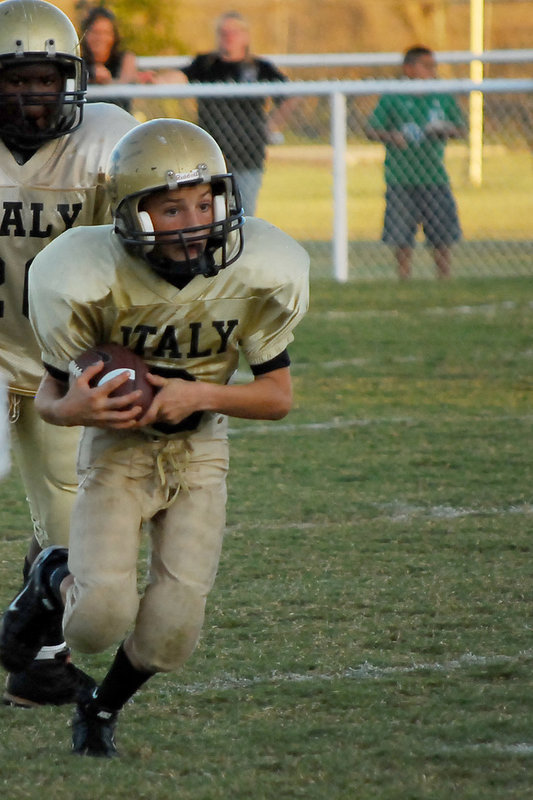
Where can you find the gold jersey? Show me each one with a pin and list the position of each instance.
(59, 187)
(86, 289)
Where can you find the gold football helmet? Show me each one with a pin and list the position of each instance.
(167, 154)
(34, 32)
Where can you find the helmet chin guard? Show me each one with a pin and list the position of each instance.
(167, 154)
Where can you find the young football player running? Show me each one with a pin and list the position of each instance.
(53, 154)
(184, 283)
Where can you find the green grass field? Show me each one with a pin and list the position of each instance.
(370, 635)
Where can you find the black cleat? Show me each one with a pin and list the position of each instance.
(48, 682)
(26, 619)
(93, 731)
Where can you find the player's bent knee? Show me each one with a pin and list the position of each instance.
(167, 647)
(170, 654)
(99, 618)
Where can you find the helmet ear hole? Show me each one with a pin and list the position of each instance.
(146, 225)
(219, 208)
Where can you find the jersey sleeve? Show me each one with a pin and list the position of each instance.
(196, 71)
(274, 74)
(269, 72)
(67, 300)
(279, 304)
(108, 124)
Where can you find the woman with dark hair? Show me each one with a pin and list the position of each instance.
(101, 48)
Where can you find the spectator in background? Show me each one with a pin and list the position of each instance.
(415, 129)
(241, 126)
(106, 61)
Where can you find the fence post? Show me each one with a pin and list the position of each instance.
(477, 25)
(340, 196)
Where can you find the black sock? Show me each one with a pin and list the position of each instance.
(53, 623)
(26, 569)
(120, 683)
(53, 630)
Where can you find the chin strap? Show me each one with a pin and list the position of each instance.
(173, 271)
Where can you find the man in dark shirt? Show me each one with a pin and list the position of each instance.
(242, 126)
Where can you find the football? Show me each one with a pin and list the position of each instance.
(116, 359)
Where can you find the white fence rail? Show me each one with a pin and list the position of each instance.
(310, 88)
(336, 60)
(337, 93)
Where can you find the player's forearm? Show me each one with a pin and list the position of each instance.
(265, 398)
(48, 400)
(81, 404)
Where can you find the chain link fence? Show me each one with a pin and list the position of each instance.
(297, 187)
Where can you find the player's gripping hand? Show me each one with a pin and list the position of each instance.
(175, 399)
(82, 404)
(93, 405)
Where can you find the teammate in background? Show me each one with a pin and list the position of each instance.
(241, 125)
(183, 285)
(5, 461)
(106, 61)
(415, 129)
(53, 154)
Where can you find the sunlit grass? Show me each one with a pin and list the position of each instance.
(369, 633)
(297, 193)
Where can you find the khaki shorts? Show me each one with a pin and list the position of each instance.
(432, 207)
(176, 488)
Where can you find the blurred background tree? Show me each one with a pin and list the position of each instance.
(167, 27)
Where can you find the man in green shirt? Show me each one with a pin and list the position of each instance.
(415, 129)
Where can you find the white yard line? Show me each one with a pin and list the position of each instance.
(464, 310)
(396, 511)
(338, 423)
(327, 425)
(518, 749)
(361, 672)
